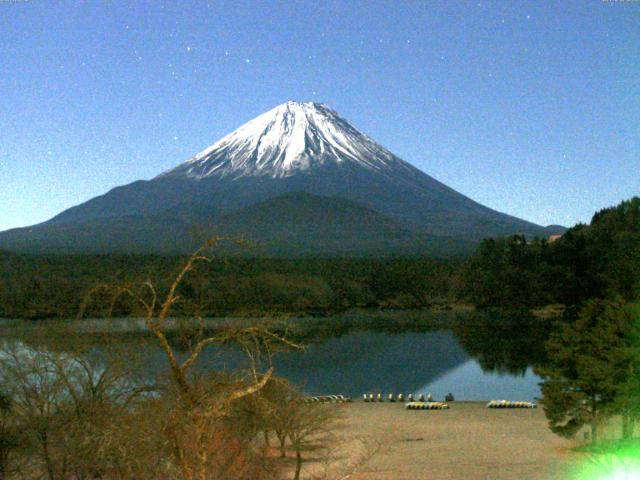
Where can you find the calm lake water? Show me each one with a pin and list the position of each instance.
(480, 361)
(411, 362)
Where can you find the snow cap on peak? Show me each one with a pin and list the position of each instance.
(291, 138)
(296, 103)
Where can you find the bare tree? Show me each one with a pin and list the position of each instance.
(8, 435)
(311, 430)
(278, 401)
(85, 413)
(62, 404)
(307, 427)
(203, 443)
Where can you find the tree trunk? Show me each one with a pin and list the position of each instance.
(594, 420)
(628, 426)
(179, 453)
(44, 443)
(267, 438)
(283, 450)
(4, 459)
(296, 476)
(626, 423)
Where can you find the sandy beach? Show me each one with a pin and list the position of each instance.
(467, 442)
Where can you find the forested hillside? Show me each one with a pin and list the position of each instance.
(589, 261)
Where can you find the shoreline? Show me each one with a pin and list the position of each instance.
(427, 318)
(466, 442)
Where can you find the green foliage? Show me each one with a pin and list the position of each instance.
(628, 401)
(508, 272)
(589, 364)
(595, 261)
(35, 287)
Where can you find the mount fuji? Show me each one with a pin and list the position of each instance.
(298, 180)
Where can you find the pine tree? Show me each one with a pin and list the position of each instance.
(590, 367)
(628, 401)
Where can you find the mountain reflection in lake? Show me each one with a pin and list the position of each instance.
(478, 359)
(416, 362)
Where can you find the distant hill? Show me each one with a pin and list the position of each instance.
(310, 225)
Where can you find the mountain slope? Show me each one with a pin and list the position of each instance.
(292, 225)
(296, 147)
(302, 224)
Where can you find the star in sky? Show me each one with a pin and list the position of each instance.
(504, 64)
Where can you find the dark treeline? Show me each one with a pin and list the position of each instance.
(591, 359)
(589, 261)
(33, 286)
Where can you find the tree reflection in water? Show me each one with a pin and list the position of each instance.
(504, 343)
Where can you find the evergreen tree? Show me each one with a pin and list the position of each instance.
(628, 401)
(590, 363)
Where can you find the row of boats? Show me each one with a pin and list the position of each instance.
(426, 406)
(510, 404)
(422, 402)
(327, 399)
(370, 398)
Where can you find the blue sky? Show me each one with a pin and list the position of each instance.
(529, 107)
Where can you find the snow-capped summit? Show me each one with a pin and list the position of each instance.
(293, 137)
(299, 180)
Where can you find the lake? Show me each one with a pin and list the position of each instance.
(478, 358)
(379, 362)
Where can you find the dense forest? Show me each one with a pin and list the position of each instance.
(55, 286)
(588, 261)
(591, 358)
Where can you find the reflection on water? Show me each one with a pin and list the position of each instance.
(479, 358)
(504, 345)
(470, 382)
(424, 362)
(371, 361)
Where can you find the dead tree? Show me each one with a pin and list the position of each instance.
(196, 422)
